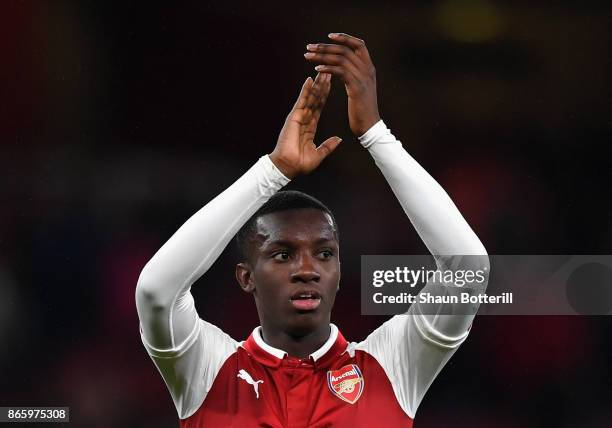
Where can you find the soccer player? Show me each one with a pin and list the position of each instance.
(296, 369)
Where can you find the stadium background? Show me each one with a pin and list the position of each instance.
(117, 122)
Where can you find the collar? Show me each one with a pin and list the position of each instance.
(273, 357)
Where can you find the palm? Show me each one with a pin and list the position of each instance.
(301, 127)
(296, 152)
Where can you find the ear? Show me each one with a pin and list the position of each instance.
(244, 276)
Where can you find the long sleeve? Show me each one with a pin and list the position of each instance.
(187, 350)
(413, 348)
(163, 298)
(434, 216)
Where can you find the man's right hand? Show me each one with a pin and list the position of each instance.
(295, 152)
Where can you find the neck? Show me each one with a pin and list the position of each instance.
(300, 346)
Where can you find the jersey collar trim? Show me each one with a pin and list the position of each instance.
(256, 335)
(333, 335)
(271, 356)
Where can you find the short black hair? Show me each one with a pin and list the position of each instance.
(280, 201)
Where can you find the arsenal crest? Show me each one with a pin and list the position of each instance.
(346, 383)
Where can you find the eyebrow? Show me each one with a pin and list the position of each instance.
(324, 240)
(286, 243)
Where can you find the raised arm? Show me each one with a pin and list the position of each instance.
(187, 350)
(164, 302)
(431, 211)
(423, 341)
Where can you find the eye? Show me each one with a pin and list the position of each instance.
(281, 256)
(326, 254)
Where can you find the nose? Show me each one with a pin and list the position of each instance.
(305, 270)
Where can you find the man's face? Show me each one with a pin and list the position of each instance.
(295, 269)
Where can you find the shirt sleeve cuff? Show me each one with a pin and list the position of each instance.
(271, 177)
(375, 133)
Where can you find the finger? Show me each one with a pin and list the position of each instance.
(318, 79)
(341, 72)
(304, 93)
(319, 90)
(332, 59)
(338, 66)
(322, 95)
(327, 147)
(355, 43)
(315, 89)
(327, 48)
(323, 88)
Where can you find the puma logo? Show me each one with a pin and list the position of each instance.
(242, 374)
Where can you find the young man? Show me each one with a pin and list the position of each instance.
(296, 369)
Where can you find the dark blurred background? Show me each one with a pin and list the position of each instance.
(118, 121)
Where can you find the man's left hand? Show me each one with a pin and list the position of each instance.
(349, 59)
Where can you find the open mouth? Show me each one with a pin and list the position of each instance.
(305, 300)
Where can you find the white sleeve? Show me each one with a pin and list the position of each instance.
(187, 350)
(413, 348)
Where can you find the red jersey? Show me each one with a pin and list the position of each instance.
(218, 382)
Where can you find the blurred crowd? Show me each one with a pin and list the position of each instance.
(120, 121)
